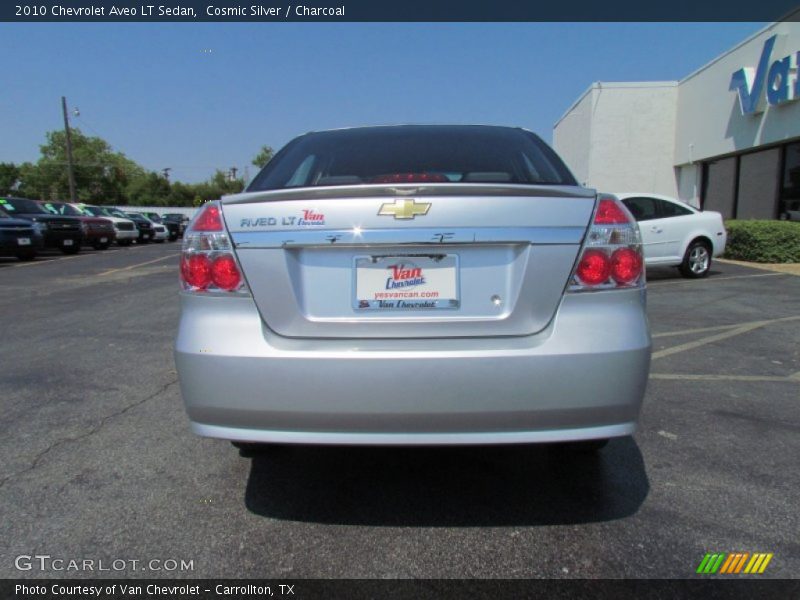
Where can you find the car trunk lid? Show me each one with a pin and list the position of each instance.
(443, 260)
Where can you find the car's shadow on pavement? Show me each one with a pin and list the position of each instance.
(464, 486)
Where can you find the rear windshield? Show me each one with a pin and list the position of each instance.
(414, 154)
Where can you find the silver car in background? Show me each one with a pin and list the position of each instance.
(413, 285)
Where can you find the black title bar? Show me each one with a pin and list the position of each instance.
(403, 10)
(749, 588)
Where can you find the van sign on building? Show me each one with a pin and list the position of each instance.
(725, 138)
(782, 82)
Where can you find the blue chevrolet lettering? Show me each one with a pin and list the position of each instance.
(775, 77)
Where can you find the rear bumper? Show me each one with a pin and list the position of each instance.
(9, 246)
(126, 235)
(96, 237)
(583, 377)
(56, 239)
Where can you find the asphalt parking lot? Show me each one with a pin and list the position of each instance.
(97, 462)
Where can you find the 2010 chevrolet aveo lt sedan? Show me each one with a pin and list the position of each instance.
(413, 285)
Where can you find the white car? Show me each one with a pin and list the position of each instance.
(160, 232)
(675, 234)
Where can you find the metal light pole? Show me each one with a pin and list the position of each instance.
(71, 167)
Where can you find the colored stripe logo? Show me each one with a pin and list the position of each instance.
(734, 563)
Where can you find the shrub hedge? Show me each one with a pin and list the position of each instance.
(763, 241)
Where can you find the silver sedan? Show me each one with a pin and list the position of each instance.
(413, 285)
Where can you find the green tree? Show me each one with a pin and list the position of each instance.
(149, 189)
(101, 175)
(9, 176)
(263, 157)
(180, 194)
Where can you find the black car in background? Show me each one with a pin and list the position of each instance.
(144, 225)
(19, 237)
(61, 232)
(179, 218)
(173, 227)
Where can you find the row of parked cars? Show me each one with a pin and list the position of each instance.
(27, 226)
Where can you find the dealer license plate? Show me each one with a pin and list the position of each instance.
(411, 282)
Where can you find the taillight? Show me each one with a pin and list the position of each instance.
(209, 218)
(609, 213)
(225, 272)
(612, 253)
(594, 267)
(208, 263)
(626, 265)
(196, 270)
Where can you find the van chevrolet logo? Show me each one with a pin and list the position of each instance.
(404, 209)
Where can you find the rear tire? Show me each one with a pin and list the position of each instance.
(101, 246)
(26, 256)
(697, 260)
(71, 249)
(124, 242)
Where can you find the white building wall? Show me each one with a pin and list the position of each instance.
(572, 136)
(631, 131)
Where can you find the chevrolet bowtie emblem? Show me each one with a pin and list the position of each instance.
(404, 209)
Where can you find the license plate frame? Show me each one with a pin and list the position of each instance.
(390, 282)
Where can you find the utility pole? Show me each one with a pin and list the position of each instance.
(165, 171)
(233, 173)
(71, 167)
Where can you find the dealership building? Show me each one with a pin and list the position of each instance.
(724, 138)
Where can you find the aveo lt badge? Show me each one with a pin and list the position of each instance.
(404, 209)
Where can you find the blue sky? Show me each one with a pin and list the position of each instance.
(195, 97)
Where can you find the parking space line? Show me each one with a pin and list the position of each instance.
(35, 263)
(698, 330)
(129, 267)
(49, 260)
(714, 377)
(658, 283)
(720, 336)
